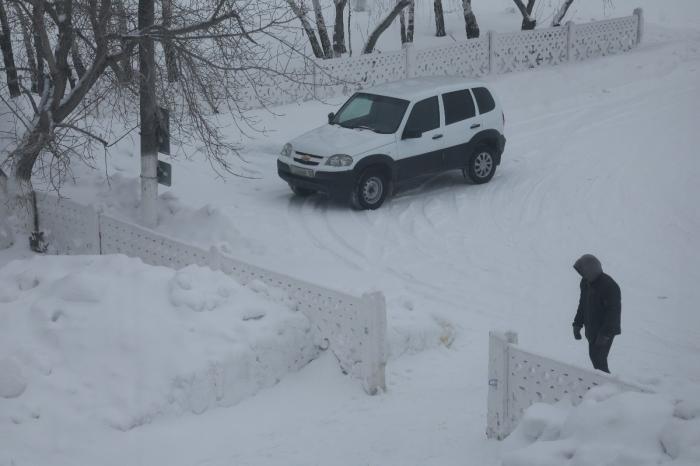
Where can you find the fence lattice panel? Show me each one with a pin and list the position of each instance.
(602, 38)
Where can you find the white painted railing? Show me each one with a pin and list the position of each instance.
(353, 328)
(492, 53)
(519, 378)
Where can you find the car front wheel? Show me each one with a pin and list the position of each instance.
(481, 165)
(370, 191)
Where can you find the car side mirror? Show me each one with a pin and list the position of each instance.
(412, 134)
(330, 118)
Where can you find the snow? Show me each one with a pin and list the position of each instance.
(606, 428)
(122, 344)
(601, 157)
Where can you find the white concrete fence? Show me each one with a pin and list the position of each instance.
(492, 53)
(519, 378)
(352, 327)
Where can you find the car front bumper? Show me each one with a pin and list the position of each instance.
(337, 185)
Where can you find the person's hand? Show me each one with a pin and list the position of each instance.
(602, 340)
(577, 333)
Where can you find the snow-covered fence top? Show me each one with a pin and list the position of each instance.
(493, 52)
(519, 378)
(353, 328)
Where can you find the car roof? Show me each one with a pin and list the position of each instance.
(418, 88)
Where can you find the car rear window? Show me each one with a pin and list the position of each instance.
(425, 115)
(459, 106)
(484, 99)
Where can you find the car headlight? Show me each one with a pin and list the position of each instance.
(339, 160)
(286, 150)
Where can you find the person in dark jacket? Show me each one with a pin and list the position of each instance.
(598, 310)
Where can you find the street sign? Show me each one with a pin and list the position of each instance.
(163, 131)
(165, 173)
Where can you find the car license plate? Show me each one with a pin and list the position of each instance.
(307, 172)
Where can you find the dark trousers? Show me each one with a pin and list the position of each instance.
(599, 354)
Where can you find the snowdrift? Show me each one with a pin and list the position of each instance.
(608, 427)
(124, 343)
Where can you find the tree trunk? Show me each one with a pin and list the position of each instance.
(439, 19)
(528, 21)
(559, 16)
(339, 28)
(350, 31)
(300, 13)
(411, 21)
(470, 20)
(29, 49)
(168, 49)
(149, 117)
(383, 25)
(7, 53)
(402, 20)
(322, 30)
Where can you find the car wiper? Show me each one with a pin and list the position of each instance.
(365, 127)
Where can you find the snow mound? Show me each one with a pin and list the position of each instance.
(608, 427)
(122, 343)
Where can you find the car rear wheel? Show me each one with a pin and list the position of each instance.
(301, 192)
(370, 191)
(481, 165)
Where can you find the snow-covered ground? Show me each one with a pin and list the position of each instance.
(602, 157)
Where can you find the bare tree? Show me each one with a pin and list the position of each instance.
(322, 30)
(300, 12)
(383, 25)
(439, 18)
(559, 15)
(7, 53)
(472, 27)
(339, 28)
(221, 47)
(402, 29)
(528, 21)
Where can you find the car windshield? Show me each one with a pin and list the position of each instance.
(378, 113)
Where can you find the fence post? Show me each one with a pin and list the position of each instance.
(374, 354)
(639, 13)
(497, 421)
(492, 46)
(569, 40)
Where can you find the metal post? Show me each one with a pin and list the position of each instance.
(492, 45)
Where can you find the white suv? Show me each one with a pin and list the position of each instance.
(386, 135)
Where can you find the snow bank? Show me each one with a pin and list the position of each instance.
(113, 340)
(608, 428)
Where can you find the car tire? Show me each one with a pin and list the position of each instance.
(370, 191)
(481, 165)
(301, 192)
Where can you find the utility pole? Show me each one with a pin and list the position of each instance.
(149, 116)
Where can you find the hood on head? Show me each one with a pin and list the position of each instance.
(589, 267)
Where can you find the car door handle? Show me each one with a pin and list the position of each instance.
(437, 136)
(475, 125)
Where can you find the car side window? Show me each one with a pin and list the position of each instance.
(484, 99)
(458, 105)
(425, 116)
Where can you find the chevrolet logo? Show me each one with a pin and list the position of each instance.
(305, 158)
